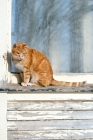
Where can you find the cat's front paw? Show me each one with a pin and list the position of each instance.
(29, 84)
(23, 84)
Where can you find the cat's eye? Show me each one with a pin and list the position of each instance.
(17, 52)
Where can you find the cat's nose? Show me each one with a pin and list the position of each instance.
(20, 55)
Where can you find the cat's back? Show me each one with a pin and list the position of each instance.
(36, 53)
(40, 62)
(37, 56)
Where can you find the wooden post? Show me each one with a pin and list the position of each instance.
(3, 41)
(3, 113)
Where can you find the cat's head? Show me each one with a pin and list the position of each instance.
(19, 51)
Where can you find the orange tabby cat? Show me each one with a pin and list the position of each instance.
(34, 67)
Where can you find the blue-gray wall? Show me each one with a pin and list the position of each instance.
(61, 29)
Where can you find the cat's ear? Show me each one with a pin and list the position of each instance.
(26, 45)
(15, 45)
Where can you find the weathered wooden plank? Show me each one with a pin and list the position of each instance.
(50, 125)
(57, 134)
(49, 96)
(49, 105)
(49, 115)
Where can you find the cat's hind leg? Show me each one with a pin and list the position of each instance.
(44, 81)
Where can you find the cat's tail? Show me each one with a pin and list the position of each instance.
(68, 84)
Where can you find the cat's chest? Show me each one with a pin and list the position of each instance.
(19, 67)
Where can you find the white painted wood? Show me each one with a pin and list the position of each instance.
(73, 77)
(3, 117)
(50, 125)
(49, 105)
(49, 115)
(9, 11)
(15, 78)
(49, 96)
(3, 42)
(56, 134)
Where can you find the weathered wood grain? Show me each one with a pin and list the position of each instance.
(49, 115)
(50, 96)
(50, 125)
(49, 105)
(62, 117)
(57, 134)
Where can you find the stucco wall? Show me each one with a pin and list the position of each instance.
(61, 29)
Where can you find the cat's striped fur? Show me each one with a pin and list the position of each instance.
(35, 68)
